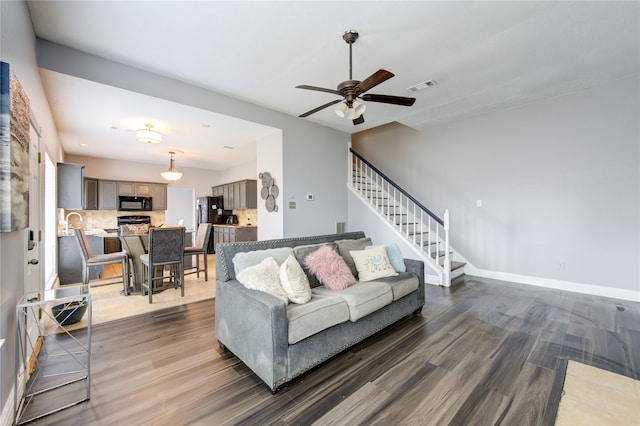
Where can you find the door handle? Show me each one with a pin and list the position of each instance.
(33, 261)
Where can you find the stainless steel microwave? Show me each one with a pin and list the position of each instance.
(129, 203)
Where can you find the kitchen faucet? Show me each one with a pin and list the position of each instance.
(67, 220)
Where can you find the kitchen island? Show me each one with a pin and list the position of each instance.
(70, 259)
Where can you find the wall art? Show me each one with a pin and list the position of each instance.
(14, 152)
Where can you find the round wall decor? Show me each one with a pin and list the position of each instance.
(269, 191)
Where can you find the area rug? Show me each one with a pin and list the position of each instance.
(592, 396)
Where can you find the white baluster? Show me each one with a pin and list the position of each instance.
(447, 261)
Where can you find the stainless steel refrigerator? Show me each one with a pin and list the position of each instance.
(211, 210)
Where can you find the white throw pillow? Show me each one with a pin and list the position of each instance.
(372, 264)
(243, 260)
(264, 277)
(294, 281)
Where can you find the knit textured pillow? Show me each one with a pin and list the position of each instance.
(294, 281)
(265, 276)
(330, 268)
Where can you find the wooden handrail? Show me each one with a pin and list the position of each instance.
(405, 193)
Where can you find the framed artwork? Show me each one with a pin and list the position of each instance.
(14, 152)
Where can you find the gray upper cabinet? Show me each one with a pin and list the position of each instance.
(70, 186)
(107, 198)
(238, 195)
(158, 192)
(137, 189)
(90, 200)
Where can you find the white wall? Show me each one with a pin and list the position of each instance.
(314, 156)
(18, 49)
(103, 168)
(558, 179)
(269, 154)
(243, 171)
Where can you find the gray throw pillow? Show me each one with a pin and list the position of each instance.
(345, 246)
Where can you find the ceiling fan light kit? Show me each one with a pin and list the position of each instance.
(171, 174)
(148, 135)
(351, 90)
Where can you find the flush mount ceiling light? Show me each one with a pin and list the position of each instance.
(171, 174)
(147, 135)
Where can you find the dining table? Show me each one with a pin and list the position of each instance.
(137, 244)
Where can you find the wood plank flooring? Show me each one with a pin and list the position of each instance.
(483, 352)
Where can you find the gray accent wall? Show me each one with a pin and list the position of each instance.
(314, 156)
(558, 180)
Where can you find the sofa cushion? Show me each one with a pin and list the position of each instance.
(401, 284)
(294, 281)
(319, 313)
(301, 253)
(372, 264)
(362, 298)
(265, 276)
(245, 259)
(395, 256)
(345, 246)
(330, 268)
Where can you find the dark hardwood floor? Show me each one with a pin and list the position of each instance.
(481, 353)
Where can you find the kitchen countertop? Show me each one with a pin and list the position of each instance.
(94, 232)
(233, 226)
(103, 233)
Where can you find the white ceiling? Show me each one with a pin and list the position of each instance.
(483, 55)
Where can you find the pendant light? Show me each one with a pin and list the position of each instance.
(148, 136)
(171, 174)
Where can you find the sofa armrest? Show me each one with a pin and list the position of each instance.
(253, 325)
(417, 267)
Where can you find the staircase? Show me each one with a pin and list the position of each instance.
(427, 233)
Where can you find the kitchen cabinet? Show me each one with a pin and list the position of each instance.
(112, 245)
(70, 186)
(90, 200)
(70, 259)
(233, 234)
(107, 198)
(238, 195)
(157, 191)
(137, 189)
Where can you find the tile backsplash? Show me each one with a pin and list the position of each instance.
(103, 219)
(247, 217)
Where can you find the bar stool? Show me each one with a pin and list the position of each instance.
(200, 248)
(89, 260)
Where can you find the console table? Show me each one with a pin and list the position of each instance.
(64, 360)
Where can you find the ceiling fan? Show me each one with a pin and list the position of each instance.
(352, 90)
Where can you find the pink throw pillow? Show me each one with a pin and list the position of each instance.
(330, 268)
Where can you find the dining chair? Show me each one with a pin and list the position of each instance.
(89, 260)
(166, 249)
(200, 248)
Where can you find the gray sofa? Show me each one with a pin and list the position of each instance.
(269, 335)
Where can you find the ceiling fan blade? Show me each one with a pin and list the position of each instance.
(308, 113)
(386, 99)
(317, 89)
(373, 80)
(358, 120)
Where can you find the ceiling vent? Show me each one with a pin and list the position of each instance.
(421, 86)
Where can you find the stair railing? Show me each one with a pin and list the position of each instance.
(419, 225)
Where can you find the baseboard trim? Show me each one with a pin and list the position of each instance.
(595, 290)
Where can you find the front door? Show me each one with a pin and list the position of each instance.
(33, 281)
